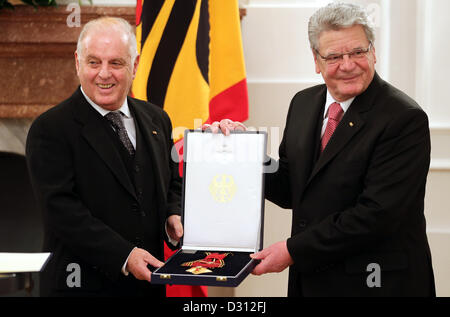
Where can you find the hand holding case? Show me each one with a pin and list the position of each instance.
(222, 210)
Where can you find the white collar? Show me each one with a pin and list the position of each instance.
(124, 108)
(330, 100)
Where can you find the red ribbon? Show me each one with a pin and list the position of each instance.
(212, 260)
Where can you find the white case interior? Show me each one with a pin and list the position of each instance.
(223, 191)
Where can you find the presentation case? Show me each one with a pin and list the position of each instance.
(222, 209)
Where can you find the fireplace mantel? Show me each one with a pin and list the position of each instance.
(37, 56)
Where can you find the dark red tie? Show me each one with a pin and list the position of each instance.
(335, 114)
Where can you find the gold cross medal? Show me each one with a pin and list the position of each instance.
(196, 270)
(211, 261)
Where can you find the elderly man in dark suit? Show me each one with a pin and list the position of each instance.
(101, 167)
(353, 167)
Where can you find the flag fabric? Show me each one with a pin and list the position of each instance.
(192, 65)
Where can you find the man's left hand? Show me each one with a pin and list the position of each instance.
(274, 259)
(174, 227)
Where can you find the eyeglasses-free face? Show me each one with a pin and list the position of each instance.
(105, 68)
(348, 62)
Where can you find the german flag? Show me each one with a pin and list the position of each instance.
(192, 65)
(191, 61)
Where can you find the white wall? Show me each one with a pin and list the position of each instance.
(433, 93)
(412, 47)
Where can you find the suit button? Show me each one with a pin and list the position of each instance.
(135, 208)
(136, 168)
(302, 223)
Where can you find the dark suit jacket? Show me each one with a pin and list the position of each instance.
(92, 209)
(359, 202)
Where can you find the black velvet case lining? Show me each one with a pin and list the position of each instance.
(234, 263)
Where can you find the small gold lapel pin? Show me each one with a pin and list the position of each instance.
(351, 124)
(154, 132)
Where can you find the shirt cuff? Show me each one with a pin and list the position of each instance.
(124, 267)
(171, 241)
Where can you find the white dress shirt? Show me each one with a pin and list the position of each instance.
(127, 118)
(330, 100)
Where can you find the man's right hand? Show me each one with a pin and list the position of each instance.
(225, 125)
(137, 264)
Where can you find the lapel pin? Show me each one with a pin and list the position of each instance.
(154, 132)
(351, 124)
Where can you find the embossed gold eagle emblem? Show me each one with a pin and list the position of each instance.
(222, 188)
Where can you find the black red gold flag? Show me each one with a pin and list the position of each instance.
(192, 65)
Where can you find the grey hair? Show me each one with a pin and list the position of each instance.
(336, 16)
(107, 23)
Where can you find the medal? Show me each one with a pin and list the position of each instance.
(211, 261)
(198, 270)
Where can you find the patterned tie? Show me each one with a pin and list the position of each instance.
(335, 114)
(116, 120)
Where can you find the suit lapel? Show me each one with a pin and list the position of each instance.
(307, 134)
(350, 125)
(150, 134)
(100, 141)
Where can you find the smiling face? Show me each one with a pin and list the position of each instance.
(351, 77)
(105, 68)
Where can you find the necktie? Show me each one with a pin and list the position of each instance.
(335, 113)
(116, 120)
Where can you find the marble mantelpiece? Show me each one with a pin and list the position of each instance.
(37, 56)
(37, 64)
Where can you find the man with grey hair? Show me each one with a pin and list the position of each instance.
(353, 167)
(101, 169)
